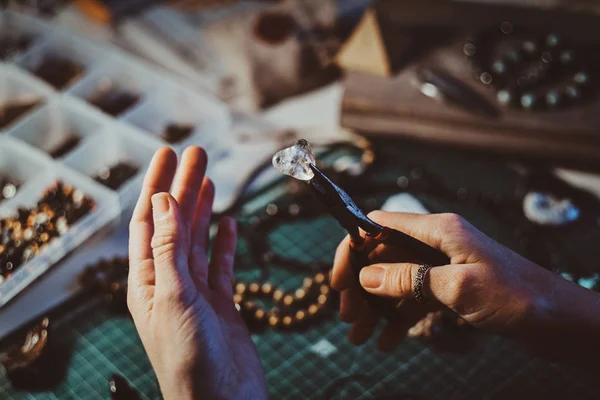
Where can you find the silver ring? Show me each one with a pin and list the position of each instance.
(419, 281)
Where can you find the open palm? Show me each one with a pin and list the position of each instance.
(182, 303)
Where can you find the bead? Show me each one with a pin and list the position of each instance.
(240, 288)
(552, 98)
(319, 278)
(485, 78)
(273, 320)
(552, 40)
(288, 300)
(573, 92)
(272, 209)
(324, 289)
(581, 78)
(9, 191)
(504, 97)
(278, 294)
(529, 46)
(499, 67)
(546, 57)
(566, 56)
(254, 288)
(260, 314)
(528, 101)
(307, 283)
(300, 294)
(267, 289)
(469, 49)
(286, 321)
(300, 315)
(322, 299)
(313, 309)
(294, 209)
(402, 182)
(506, 28)
(237, 298)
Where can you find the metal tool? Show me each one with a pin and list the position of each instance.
(437, 84)
(337, 202)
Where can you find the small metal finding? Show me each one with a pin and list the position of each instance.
(439, 85)
(120, 389)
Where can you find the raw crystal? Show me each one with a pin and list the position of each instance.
(295, 160)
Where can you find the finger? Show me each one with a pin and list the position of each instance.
(432, 229)
(363, 328)
(220, 271)
(158, 179)
(397, 281)
(351, 304)
(200, 235)
(341, 273)
(202, 216)
(170, 247)
(188, 181)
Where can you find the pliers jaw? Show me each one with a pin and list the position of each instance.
(341, 206)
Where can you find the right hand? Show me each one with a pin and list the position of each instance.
(490, 286)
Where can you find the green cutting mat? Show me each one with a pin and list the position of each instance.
(304, 365)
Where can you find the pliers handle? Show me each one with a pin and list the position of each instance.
(340, 205)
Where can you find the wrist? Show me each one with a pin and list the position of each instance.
(560, 308)
(177, 386)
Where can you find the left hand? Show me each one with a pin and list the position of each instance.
(182, 303)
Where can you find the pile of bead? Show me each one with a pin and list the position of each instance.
(25, 234)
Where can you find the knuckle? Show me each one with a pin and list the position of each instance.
(399, 280)
(461, 285)
(164, 252)
(161, 239)
(172, 295)
(452, 223)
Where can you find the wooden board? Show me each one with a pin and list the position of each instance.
(395, 106)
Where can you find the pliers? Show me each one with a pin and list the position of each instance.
(337, 202)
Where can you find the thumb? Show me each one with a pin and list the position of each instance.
(398, 281)
(170, 244)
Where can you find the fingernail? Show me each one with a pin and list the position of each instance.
(371, 277)
(160, 204)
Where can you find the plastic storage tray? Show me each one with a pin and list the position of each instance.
(65, 137)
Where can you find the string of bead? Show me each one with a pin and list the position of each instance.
(291, 310)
